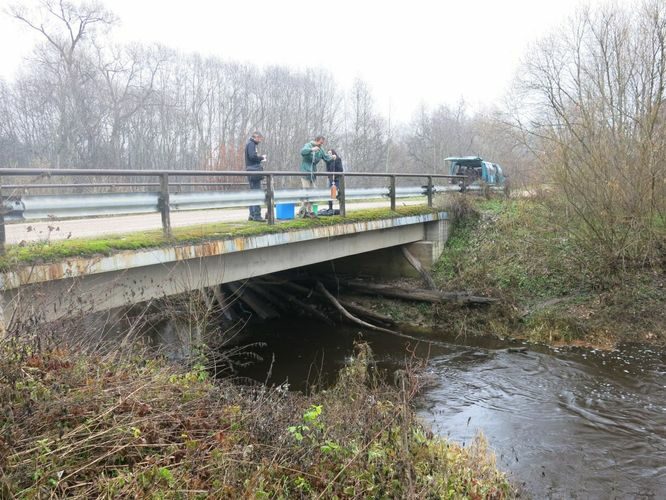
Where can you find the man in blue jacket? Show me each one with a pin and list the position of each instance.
(253, 162)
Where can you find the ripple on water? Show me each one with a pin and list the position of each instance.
(580, 422)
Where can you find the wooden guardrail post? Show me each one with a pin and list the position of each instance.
(341, 196)
(392, 192)
(163, 205)
(270, 199)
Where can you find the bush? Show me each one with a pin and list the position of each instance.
(594, 94)
(84, 425)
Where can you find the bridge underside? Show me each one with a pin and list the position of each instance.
(76, 286)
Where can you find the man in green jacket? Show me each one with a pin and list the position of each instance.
(311, 154)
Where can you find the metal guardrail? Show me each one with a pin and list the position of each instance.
(163, 201)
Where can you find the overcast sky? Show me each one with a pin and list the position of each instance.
(408, 51)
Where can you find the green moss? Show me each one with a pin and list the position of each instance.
(495, 205)
(17, 255)
(513, 248)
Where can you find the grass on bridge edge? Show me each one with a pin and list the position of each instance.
(51, 251)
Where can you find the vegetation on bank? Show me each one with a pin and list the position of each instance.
(131, 425)
(553, 288)
(50, 251)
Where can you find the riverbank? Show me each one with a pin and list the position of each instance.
(129, 424)
(550, 290)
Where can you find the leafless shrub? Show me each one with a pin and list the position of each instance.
(593, 96)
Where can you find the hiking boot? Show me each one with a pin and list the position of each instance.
(256, 219)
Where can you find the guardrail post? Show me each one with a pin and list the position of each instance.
(163, 205)
(341, 196)
(429, 191)
(270, 200)
(2, 221)
(392, 192)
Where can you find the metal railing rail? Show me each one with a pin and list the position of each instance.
(163, 201)
(89, 185)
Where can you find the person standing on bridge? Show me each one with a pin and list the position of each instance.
(311, 154)
(333, 165)
(253, 161)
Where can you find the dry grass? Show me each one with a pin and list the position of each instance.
(552, 290)
(89, 426)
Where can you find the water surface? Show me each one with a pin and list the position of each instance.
(564, 423)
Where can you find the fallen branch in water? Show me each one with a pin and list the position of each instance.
(417, 294)
(260, 307)
(416, 264)
(347, 314)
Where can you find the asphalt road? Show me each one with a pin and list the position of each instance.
(101, 226)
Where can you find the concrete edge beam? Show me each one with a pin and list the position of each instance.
(123, 260)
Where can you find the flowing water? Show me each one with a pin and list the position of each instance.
(564, 423)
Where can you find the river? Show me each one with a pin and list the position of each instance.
(564, 423)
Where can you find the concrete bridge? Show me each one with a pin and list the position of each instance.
(45, 292)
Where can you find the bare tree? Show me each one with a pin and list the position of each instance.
(365, 131)
(66, 28)
(595, 92)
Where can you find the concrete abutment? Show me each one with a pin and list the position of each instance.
(390, 262)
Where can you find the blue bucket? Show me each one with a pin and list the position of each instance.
(285, 210)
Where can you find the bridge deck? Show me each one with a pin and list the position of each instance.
(128, 277)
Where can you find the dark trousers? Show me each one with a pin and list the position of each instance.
(333, 181)
(255, 183)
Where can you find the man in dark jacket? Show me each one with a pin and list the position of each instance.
(333, 165)
(253, 162)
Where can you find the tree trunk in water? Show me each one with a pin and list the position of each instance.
(416, 264)
(347, 314)
(419, 295)
(261, 308)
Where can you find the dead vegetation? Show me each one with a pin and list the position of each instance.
(552, 289)
(86, 425)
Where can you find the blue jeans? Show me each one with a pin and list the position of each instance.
(255, 183)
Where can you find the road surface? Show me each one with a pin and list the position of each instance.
(103, 226)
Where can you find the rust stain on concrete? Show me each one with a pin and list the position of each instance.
(134, 259)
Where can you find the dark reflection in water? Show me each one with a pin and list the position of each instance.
(569, 423)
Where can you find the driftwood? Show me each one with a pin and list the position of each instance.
(367, 313)
(419, 295)
(350, 306)
(347, 314)
(312, 310)
(322, 291)
(291, 299)
(414, 294)
(416, 264)
(273, 298)
(260, 307)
